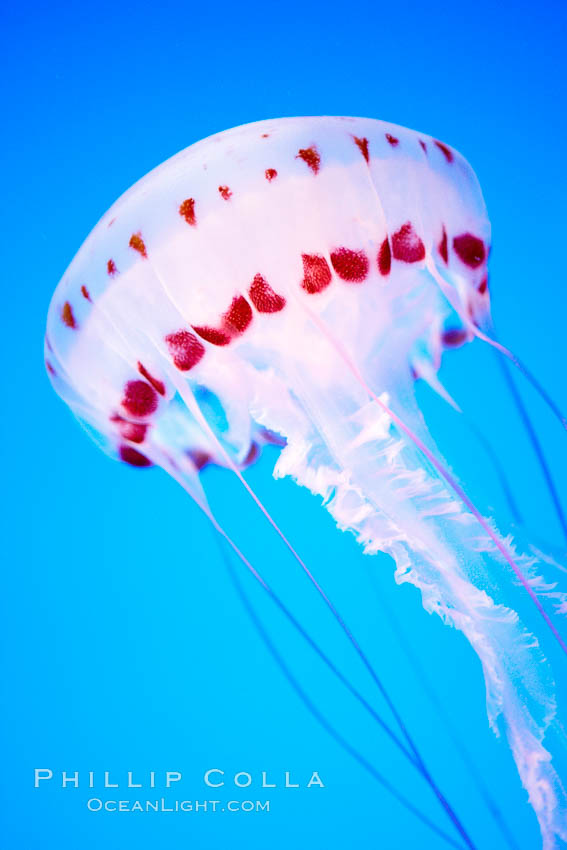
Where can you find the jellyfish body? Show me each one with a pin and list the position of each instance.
(286, 282)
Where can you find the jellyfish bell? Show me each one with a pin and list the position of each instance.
(223, 258)
(286, 282)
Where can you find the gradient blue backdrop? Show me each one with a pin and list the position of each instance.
(126, 647)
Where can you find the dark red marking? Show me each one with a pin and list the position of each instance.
(234, 322)
(443, 247)
(50, 369)
(351, 266)
(67, 315)
(310, 157)
(470, 249)
(253, 454)
(199, 458)
(363, 147)
(423, 146)
(213, 335)
(185, 349)
(483, 285)
(135, 432)
(392, 140)
(132, 456)
(454, 337)
(447, 152)
(238, 316)
(385, 258)
(111, 269)
(158, 386)
(263, 297)
(139, 399)
(265, 135)
(225, 193)
(270, 174)
(85, 293)
(137, 243)
(317, 274)
(407, 246)
(271, 437)
(187, 211)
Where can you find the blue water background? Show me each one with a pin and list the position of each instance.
(125, 644)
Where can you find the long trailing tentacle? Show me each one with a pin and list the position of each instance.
(192, 405)
(320, 717)
(414, 756)
(428, 374)
(195, 491)
(520, 365)
(536, 444)
(502, 478)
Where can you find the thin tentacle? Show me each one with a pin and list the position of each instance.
(444, 716)
(189, 399)
(453, 300)
(322, 720)
(415, 759)
(536, 444)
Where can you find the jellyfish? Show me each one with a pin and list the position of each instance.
(286, 283)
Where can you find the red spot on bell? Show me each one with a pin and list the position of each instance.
(185, 349)
(271, 437)
(351, 266)
(157, 385)
(363, 147)
(384, 258)
(470, 249)
(233, 323)
(225, 193)
(137, 244)
(212, 335)
(392, 140)
(270, 174)
(139, 399)
(316, 273)
(199, 458)
(135, 432)
(310, 157)
(132, 456)
(407, 246)
(111, 269)
(187, 211)
(85, 293)
(454, 337)
(238, 316)
(67, 316)
(443, 247)
(253, 454)
(263, 297)
(447, 152)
